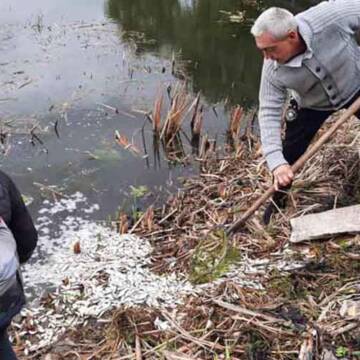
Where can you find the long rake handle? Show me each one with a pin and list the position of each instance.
(298, 164)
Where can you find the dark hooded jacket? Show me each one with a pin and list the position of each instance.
(16, 226)
(17, 218)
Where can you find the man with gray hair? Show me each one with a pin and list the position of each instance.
(315, 57)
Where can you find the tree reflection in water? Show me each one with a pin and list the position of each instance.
(223, 59)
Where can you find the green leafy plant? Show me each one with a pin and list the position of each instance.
(212, 258)
(139, 191)
(341, 351)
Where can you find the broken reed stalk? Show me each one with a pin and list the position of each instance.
(156, 116)
(178, 111)
(198, 121)
(203, 146)
(175, 115)
(173, 63)
(123, 225)
(299, 164)
(235, 121)
(124, 142)
(195, 114)
(148, 220)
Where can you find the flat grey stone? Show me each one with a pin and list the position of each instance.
(325, 224)
(328, 355)
(170, 355)
(350, 308)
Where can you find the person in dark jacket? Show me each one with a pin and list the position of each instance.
(18, 238)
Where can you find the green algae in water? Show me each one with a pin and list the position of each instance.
(139, 191)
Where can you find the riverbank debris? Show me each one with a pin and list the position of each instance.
(273, 301)
(107, 272)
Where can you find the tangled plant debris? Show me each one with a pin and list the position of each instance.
(270, 301)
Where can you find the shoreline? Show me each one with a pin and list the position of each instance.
(291, 308)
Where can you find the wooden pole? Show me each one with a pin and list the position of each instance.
(298, 164)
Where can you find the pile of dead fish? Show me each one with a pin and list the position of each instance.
(92, 270)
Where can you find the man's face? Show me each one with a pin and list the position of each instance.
(278, 50)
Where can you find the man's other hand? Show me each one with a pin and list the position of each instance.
(283, 176)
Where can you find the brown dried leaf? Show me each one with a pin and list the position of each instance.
(148, 219)
(235, 121)
(123, 223)
(77, 248)
(222, 190)
(157, 114)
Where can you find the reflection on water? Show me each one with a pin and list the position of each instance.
(65, 66)
(224, 62)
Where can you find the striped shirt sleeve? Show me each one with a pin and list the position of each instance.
(272, 97)
(344, 12)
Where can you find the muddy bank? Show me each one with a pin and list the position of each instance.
(253, 295)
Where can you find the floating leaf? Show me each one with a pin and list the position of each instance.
(123, 141)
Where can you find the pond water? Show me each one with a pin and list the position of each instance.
(74, 72)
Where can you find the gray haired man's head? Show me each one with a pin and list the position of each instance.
(276, 21)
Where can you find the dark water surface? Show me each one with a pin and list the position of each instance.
(66, 65)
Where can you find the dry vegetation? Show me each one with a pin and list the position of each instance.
(290, 302)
